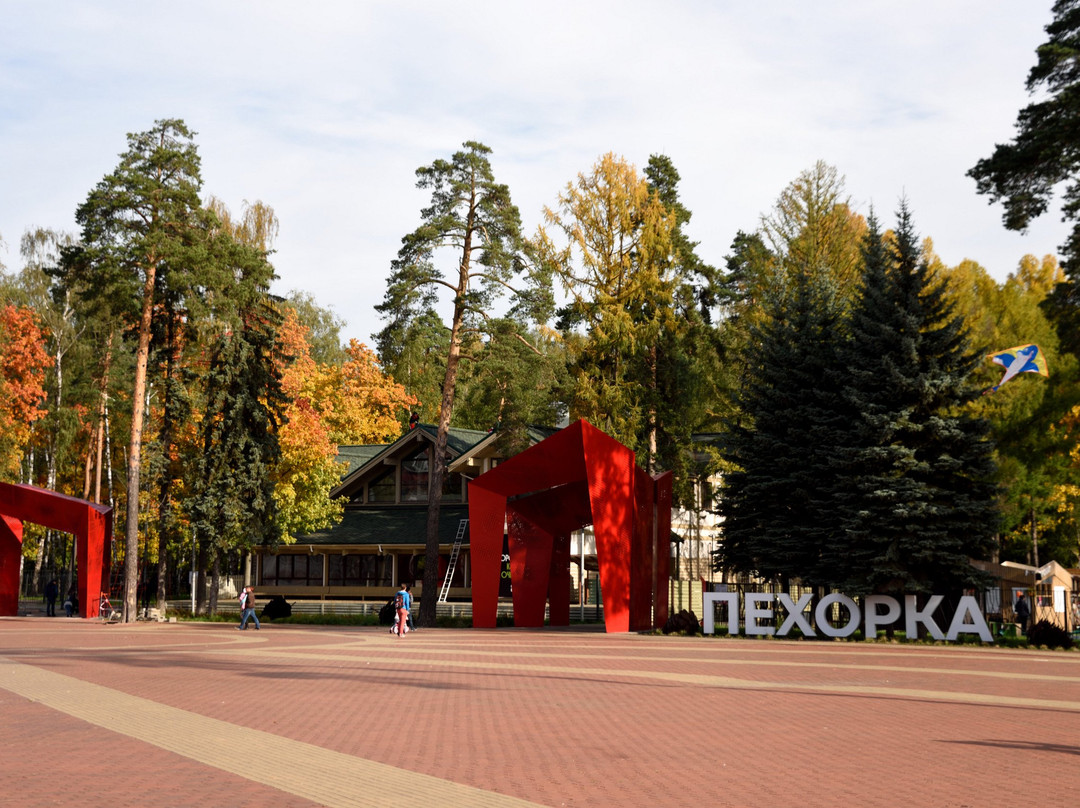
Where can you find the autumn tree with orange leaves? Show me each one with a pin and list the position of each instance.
(23, 362)
(331, 404)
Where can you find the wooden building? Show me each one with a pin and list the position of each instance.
(380, 542)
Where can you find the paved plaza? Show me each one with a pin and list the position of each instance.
(201, 714)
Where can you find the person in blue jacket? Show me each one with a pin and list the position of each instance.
(403, 602)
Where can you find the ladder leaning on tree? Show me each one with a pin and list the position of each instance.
(452, 563)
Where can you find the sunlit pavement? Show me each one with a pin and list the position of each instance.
(198, 714)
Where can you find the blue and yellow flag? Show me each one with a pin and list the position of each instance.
(1021, 359)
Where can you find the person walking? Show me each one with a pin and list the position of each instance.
(247, 609)
(1023, 612)
(403, 602)
(51, 591)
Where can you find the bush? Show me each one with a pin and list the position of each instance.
(1046, 633)
(682, 623)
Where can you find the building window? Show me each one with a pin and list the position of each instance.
(414, 477)
(360, 570)
(381, 489)
(292, 570)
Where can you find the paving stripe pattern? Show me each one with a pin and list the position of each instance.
(336, 716)
(324, 776)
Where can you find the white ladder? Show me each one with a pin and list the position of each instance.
(452, 563)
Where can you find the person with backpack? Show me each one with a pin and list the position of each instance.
(402, 602)
(247, 608)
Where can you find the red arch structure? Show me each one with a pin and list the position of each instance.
(579, 476)
(90, 523)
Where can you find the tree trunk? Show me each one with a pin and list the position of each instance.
(200, 588)
(165, 490)
(435, 482)
(652, 415)
(103, 414)
(49, 542)
(88, 466)
(215, 584)
(1034, 539)
(131, 534)
(438, 461)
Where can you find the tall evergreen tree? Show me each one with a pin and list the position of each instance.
(918, 490)
(472, 218)
(1044, 154)
(779, 519)
(143, 230)
(682, 367)
(233, 504)
(514, 384)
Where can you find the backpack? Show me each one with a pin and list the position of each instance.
(243, 597)
(399, 601)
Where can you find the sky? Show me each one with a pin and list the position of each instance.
(324, 111)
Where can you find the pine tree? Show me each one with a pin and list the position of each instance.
(682, 368)
(472, 217)
(1044, 155)
(514, 383)
(144, 234)
(918, 496)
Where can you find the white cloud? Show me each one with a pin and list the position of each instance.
(325, 110)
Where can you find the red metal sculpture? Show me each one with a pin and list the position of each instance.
(577, 477)
(91, 524)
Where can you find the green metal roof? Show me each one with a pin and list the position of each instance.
(458, 440)
(356, 456)
(389, 525)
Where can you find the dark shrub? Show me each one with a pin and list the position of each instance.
(276, 607)
(684, 621)
(1046, 633)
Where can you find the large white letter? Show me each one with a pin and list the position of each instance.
(795, 615)
(822, 611)
(753, 613)
(968, 606)
(709, 600)
(873, 619)
(912, 617)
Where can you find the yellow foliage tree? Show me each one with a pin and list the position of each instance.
(330, 405)
(361, 404)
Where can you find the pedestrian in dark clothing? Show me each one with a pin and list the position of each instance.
(51, 591)
(1023, 612)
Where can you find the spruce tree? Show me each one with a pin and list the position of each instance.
(233, 503)
(778, 517)
(915, 495)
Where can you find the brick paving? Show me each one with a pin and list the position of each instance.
(197, 714)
